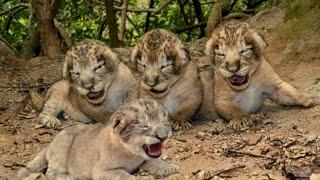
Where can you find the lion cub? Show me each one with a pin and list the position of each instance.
(95, 84)
(168, 75)
(243, 78)
(133, 139)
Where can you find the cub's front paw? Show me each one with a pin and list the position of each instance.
(50, 121)
(244, 121)
(178, 125)
(309, 102)
(165, 170)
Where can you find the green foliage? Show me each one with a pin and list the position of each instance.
(83, 19)
(13, 26)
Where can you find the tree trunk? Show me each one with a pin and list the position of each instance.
(112, 24)
(123, 20)
(31, 44)
(151, 5)
(199, 14)
(216, 15)
(184, 15)
(45, 11)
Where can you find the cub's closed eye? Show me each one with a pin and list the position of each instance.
(220, 53)
(244, 50)
(98, 67)
(143, 65)
(164, 66)
(76, 73)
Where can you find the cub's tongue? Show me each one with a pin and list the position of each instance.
(154, 150)
(95, 95)
(237, 80)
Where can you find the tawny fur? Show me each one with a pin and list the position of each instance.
(206, 75)
(237, 49)
(168, 75)
(90, 66)
(110, 151)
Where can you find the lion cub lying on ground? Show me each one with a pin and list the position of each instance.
(133, 139)
(95, 84)
(243, 78)
(168, 75)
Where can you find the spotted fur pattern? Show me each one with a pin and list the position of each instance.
(243, 78)
(108, 151)
(95, 84)
(168, 75)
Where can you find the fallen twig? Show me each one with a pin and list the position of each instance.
(211, 174)
(231, 152)
(25, 86)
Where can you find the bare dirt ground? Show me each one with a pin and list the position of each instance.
(285, 145)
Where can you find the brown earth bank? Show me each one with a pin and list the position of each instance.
(286, 144)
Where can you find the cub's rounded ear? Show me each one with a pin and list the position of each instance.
(257, 40)
(186, 53)
(182, 58)
(135, 56)
(66, 70)
(118, 125)
(211, 45)
(122, 126)
(110, 59)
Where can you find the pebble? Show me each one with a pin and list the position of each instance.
(201, 175)
(200, 134)
(253, 140)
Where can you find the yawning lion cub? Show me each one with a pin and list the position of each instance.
(243, 78)
(133, 139)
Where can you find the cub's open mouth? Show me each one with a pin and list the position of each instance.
(154, 91)
(236, 80)
(95, 95)
(153, 150)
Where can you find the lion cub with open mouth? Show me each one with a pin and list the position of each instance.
(243, 78)
(168, 75)
(95, 84)
(133, 139)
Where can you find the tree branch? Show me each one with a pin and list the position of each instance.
(122, 27)
(19, 6)
(102, 27)
(191, 27)
(153, 10)
(64, 33)
(216, 15)
(236, 16)
(134, 25)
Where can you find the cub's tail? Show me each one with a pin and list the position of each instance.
(38, 164)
